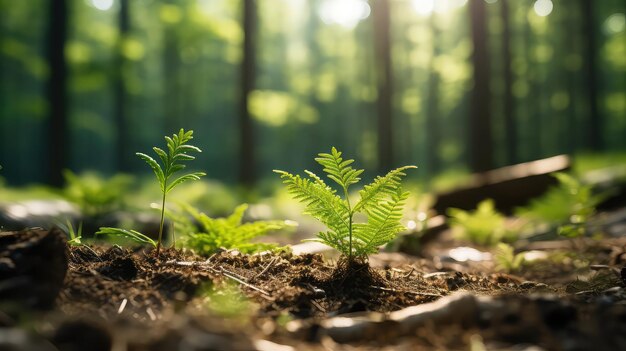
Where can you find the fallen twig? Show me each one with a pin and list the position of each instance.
(405, 291)
(265, 269)
(240, 281)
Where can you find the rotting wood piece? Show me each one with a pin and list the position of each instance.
(510, 186)
(589, 325)
(33, 264)
(457, 308)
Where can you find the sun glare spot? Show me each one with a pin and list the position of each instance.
(427, 7)
(543, 7)
(423, 7)
(102, 5)
(616, 23)
(346, 13)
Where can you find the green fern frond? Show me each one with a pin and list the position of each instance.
(380, 188)
(383, 224)
(339, 169)
(177, 152)
(229, 233)
(382, 202)
(320, 201)
(236, 217)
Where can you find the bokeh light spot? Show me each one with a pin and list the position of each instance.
(102, 5)
(346, 13)
(543, 7)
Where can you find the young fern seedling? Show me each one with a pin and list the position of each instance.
(177, 149)
(381, 201)
(206, 235)
(177, 152)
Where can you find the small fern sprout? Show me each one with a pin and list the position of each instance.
(206, 235)
(177, 152)
(381, 201)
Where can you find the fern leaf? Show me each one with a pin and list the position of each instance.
(184, 178)
(383, 224)
(382, 201)
(319, 181)
(321, 202)
(129, 234)
(339, 169)
(380, 188)
(249, 231)
(155, 167)
(161, 153)
(229, 233)
(237, 216)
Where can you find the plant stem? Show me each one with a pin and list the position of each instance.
(345, 192)
(158, 248)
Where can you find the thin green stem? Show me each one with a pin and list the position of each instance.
(345, 192)
(158, 248)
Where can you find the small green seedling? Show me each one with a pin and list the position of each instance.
(95, 195)
(75, 236)
(506, 259)
(128, 234)
(483, 226)
(381, 201)
(177, 152)
(211, 234)
(567, 206)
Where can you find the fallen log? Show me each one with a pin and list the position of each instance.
(509, 187)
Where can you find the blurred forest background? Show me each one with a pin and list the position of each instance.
(443, 84)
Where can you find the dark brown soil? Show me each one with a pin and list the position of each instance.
(117, 295)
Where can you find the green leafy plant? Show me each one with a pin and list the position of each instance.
(94, 195)
(74, 236)
(567, 206)
(381, 201)
(128, 234)
(483, 226)
(177, 152)
(506, 259)
(211, 234)
(228, 302)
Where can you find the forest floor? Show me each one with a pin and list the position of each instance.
(55, 296)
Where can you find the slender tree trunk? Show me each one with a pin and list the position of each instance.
(480, 138)
(56, 91)
(247, 159)
(119, 108)
(572, 41)
(510, 125)
(171, 68)
(382, 38)
(432, 108)
(595, 124)
(313, 137)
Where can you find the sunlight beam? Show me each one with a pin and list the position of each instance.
(346, 13)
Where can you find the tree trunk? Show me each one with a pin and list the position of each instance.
(56, 91)
(595, 124)
(247, 162)
(171, 74)
(432, 107)
(480, 142)
(510, 125)
(119, 108)
(381, 16)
